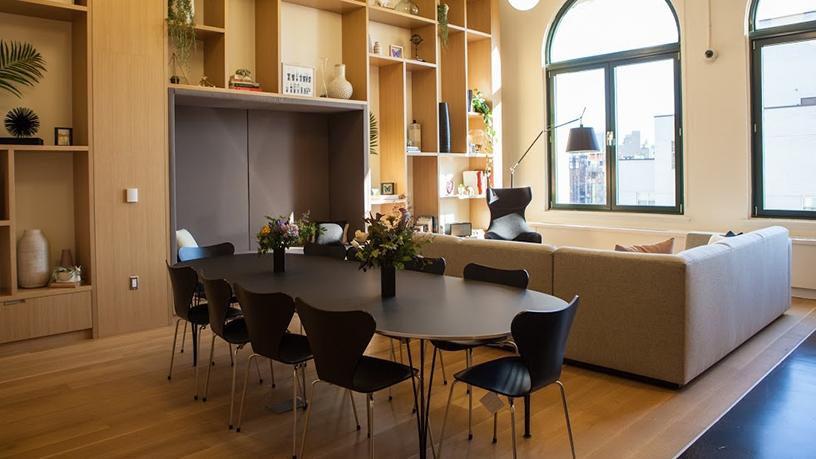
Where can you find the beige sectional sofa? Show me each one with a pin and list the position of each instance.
(665, 317)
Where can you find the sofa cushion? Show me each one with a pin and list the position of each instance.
(665, 247)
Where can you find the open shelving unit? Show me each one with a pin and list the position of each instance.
(49, 187)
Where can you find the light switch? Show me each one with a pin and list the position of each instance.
(132, 195)
(134, 282)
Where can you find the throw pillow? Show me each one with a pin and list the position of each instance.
(332, 234)
(185, 239)
(666, 247)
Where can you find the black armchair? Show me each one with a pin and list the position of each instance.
(507, 222)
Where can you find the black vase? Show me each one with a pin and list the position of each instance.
(444, 128)
(279, 260)
(388, 281)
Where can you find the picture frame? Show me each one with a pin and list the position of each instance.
(387, 188)
(395, 51)
(63, 136)
(298, 80)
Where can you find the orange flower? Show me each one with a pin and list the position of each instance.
(265, 230)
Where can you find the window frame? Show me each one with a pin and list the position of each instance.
(609, 62)
(789, 33)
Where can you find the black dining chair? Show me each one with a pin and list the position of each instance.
(337, 251)
(232, 330)
(541, 337)
(338, 340)
(267, 317)
(515, 278)
(184, 281)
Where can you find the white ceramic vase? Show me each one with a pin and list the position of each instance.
(33, 268)
(339, 87)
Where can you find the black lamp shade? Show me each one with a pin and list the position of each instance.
(581, 140)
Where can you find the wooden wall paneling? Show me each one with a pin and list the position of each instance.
(479, 68)
(355, 51)
(425, 108)
(479, 15)
(456, 12)
(11, 197)
(83, 215)
(425, 182)
(454, 88)
(348, 167)
(267, 44)
(393, 162)
(427, 8)
(130, 148)
(80, 84)
(428, 48)
(215, 12)
(215, 60)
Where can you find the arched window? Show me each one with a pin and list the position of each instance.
(620, 61)
(783, 44)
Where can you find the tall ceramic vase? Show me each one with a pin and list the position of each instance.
(388, 281)
(340, 87)
(32, 260)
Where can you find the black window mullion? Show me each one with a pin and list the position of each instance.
(611, 150)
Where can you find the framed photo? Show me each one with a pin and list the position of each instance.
(395, 51)
(298, 80)
(63, 136)
(387, 188)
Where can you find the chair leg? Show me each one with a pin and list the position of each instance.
(401, 342)
(272, 371)
(370, 408)
(513, 425)
(196, 347)
(232, 391)
(353, 408)
(209, 367)
(243, 393)
(393, 359)
(257, 367)
(173, 352)
(445, 418)
(183, 337)
(566, 416)
(495, 421)
(295, 385)
(308, 415)
(232, 360)
(303, 386)
(442, 364)
(470, 397)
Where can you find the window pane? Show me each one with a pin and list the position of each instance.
(644, 98)
(775, 13)
(789, 125)
(580, 178)
(594, 27)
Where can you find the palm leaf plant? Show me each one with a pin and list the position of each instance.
(20, 65)
(373, 134)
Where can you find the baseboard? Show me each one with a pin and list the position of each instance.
(45, 342)
(805, 293)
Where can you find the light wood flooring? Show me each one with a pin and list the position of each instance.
(111, 398)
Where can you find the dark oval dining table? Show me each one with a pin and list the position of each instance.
(425, 307)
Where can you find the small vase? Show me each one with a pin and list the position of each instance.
(444, 128)
(33, 268)
(279, 260)
(340, 87)
(388, 281)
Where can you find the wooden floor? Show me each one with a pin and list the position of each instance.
(111, 398)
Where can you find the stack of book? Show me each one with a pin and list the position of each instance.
(245, 86)
(411, 149)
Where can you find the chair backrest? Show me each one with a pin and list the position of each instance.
(184, 281)
(351, 253)
(518, 278)
(320, 250)
(210, 251)
(219, 296)
(337, 339)
(267, 316)
(507, 207)
(541, 337)
(427, 265)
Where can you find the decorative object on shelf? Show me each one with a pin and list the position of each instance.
(449, 187)
(415, 135)
(298, 80)
(324, 65)
(340, 87)
(476, 181)
(375, 192)
(20, 65)
(377, 48)
(442, 18)
(373, 134)
(387, 188)
(461, 229)
(389, 245)
(33, 267)
(22, 123)
(181, 29)
(66, 277)
(481, 106)
(470, 99)
(204, 82)
(444, 128)
(66, 258)
(407, 6)
(385, 4)
(63, 136)
(395, 51)
(417, 40)
(477, 141)
(242, 80)
(425, 224)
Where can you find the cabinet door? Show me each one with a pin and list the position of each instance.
(44, 316)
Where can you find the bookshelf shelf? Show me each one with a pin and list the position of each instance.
(44, 9)
(397, 18)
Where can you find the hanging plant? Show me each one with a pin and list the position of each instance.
(181, 30)
(20, 64)
(373, 134)
(481, 106)
(442, 18)
(22, 122)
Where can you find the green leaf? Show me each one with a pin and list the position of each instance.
(20, 65)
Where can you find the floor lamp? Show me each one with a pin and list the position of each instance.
(580, 140)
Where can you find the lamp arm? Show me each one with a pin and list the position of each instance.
(514, 166)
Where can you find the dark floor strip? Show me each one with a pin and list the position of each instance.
(776, 419)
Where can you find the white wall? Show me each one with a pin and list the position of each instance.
(716, 116)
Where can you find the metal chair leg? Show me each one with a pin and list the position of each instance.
(243, 393)
(566, 416)
(209, 367)
(445, 418)
(257, 367)
(513, 425)
(232, 391)
(353, 408)
(495, 421)
(308, 415)
(370, 409)
(272, 371)
(183, 337)
(295, 385)
(444, 375)
(393, 359)
(173, 352)
(303, 386)
(232, 360)
(196, 347)
(470, 398)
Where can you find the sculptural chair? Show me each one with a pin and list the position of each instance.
(507, 222)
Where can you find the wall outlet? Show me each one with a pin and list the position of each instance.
(134, 282)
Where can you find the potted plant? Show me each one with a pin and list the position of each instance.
(20, 64)
(442, 18)
(67, 274)
(280, 233)
(389, 244)
(181, 29)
